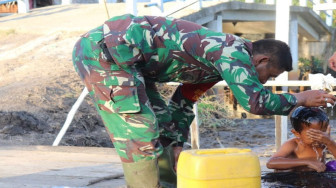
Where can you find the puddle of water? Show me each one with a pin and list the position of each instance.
(299, 179)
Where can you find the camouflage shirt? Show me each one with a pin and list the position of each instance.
(175, 50)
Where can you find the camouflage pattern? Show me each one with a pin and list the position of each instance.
(118, 95)
(147, 50)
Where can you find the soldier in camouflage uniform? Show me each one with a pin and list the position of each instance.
(121, 61)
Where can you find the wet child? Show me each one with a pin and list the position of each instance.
(305, 152)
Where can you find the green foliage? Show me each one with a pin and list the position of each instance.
(296, 2)
(260, 1)
(323, 16)
(334, 18)
(212, 112)
(313, 66)
(310, 4)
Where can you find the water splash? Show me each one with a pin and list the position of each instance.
(324, 150)
(332, 108)
(317, 155)
(314, 146)
(332, 111)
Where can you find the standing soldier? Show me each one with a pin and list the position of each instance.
(121, 61)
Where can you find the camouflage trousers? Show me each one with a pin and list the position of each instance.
(136, 117)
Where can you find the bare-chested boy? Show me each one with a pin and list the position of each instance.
(305, 152)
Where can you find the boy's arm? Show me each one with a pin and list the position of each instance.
(281, 161)
(323, 137)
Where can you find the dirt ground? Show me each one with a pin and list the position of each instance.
(38, 86)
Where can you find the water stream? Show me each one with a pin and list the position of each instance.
(317, 155)
(332, 110)
(323, 151)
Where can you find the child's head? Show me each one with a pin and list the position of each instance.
(304, 118)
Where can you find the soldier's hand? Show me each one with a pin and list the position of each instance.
(314, 98)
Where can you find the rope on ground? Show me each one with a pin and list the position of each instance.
(115, 176)
(107, 12)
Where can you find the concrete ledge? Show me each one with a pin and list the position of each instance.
(61, 166)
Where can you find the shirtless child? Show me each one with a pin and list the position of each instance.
(305, 152)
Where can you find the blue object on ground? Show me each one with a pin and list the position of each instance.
(331, 166)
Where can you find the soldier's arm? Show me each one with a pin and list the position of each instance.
(236, 69)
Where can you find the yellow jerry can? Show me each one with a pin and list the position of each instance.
(218, 168)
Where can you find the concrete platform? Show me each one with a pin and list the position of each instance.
(61, 166)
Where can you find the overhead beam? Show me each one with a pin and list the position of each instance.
(205, 19)
(308, 28)
(234, 15)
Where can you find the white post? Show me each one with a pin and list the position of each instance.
(282, 20)
(216, 25)
(294, 41)
(194, 131)
(249, 1)
(131, 7)
(329, 18)
(160, 5)
(316, 3)
(282, 33)
(23, 6)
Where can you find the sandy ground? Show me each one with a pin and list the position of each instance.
(38, 85)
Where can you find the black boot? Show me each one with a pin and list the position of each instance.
(166, 161)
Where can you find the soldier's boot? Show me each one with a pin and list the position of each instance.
(166, 167)
(142, 174)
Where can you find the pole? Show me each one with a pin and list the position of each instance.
(107, 12)
(70, 116)
(282, 33)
